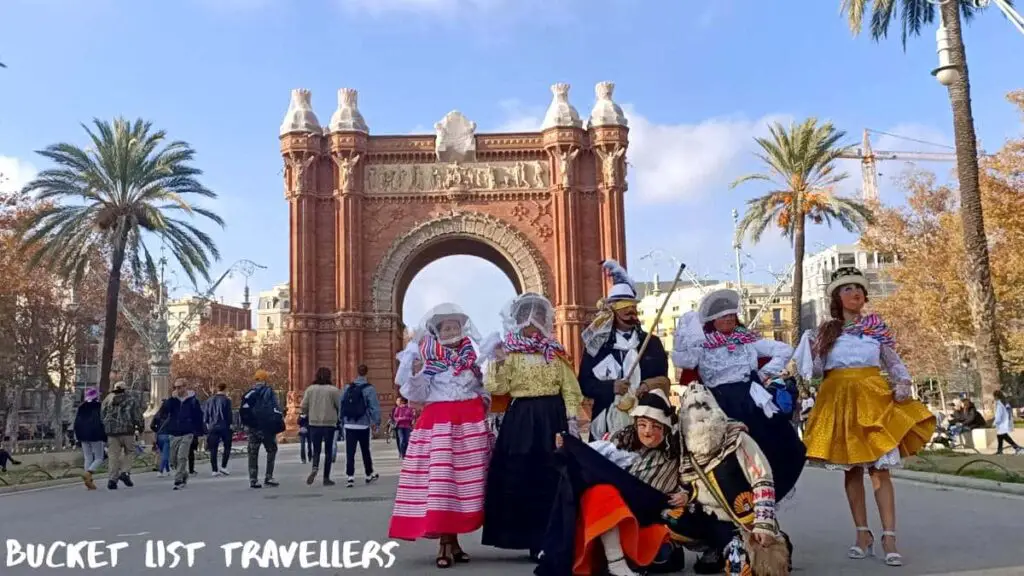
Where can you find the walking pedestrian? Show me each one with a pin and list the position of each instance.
(217, 416)
(305, 446)
(321, 404)
(263, 419)
(403, 416)
(360, 415)
(122, 418)
(1003, 423)
(6, 457)
(89, 431)
(163, 443)
(181, 418)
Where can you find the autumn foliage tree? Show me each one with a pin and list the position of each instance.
(930, 308)
(220, 355)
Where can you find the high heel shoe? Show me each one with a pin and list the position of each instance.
(892, 558)
(856, 552)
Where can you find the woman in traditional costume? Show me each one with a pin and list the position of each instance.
(534, 370)
(437, 498)
(858, 421)
(727, 358)
(613, 493)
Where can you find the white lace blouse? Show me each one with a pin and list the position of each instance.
(719, 366)
(850, 351)
(443, 387)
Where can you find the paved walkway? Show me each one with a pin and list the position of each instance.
(942, 531)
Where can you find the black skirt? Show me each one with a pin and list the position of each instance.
(776, 437)
(522, 477)
(580, 467)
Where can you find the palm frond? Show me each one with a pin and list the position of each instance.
(915, 16)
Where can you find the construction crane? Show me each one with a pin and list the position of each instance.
(869, 159)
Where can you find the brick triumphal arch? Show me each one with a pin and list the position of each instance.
(368, 212)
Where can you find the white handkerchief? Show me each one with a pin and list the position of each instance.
(608, 369)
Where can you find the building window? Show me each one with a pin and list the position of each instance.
(847, 260)
(885, 259)
(776, 316)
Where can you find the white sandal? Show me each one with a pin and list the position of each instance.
(856, 552)
(892, 558)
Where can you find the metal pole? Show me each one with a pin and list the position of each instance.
(736, 246)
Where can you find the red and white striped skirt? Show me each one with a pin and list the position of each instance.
(441, 486)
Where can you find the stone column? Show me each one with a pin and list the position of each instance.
(609, 134)
(348, 145)
(301, 148)
(563, 138)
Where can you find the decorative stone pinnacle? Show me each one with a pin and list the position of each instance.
(347, 117)
(560, 113)
(300, 116)
(606, 112)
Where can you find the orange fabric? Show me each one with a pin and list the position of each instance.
(499, 403)
(601, 509)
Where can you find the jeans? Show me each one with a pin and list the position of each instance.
(213, 440)
(192, 454)
(163, 441)
(305, 447)
(403, 440)
(269, 443)
(92, 452)
(181, 449)
(361, 438)
(322, 438)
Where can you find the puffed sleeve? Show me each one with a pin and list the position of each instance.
(498, 379)
(779, 352)
(808, 365)
(897, 370)
(413, 387)
(686, 344)
(570, 387)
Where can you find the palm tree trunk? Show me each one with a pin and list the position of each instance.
(799, 242)
(981, 296)
(110, 320)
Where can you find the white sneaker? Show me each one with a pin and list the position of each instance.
(215, 473)
(161, 474)
(224, 471)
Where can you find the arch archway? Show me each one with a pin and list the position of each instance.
(368, 212)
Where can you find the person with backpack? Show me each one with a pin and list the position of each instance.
(181, 417)
(217, 416)
(360, 414)
(89, 431)
(263, 419)
(122, 418)
(321, 404)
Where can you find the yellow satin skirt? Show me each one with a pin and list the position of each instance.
(856, 420)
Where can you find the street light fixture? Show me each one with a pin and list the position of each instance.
(947, 73)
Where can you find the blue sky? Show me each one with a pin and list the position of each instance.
(698, 80)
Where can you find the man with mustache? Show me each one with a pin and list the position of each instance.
(730, 458)
(613, 341)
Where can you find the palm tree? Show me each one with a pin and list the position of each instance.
(109, 198)
(802, 171)
(914, 14)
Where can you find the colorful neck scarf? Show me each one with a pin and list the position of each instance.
(871, 326)
(438, 358)
(537, 344)
(737, 337)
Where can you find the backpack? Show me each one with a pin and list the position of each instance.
(258, 412)
(353, 404)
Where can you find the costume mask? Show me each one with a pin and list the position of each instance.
(650, 433)
(703, 423)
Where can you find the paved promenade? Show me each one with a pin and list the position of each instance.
(942, 531)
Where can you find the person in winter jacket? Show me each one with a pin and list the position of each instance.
(182, 418)
(358, 428)
(321, 404)
(218, 417)
(5, 458)
(259, 400)
(1003, 423)
(122, 418)
(89, 431)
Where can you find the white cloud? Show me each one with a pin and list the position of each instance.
(15, 174)
(519, 117)
(687, 162)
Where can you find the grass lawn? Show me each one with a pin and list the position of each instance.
(987, 467)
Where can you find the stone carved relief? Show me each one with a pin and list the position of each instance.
(565, 162)
(416, 178)
(505, 238)
(298, 165)
(345, 168)
(539, 218)
(456, 138)
(610, 164)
